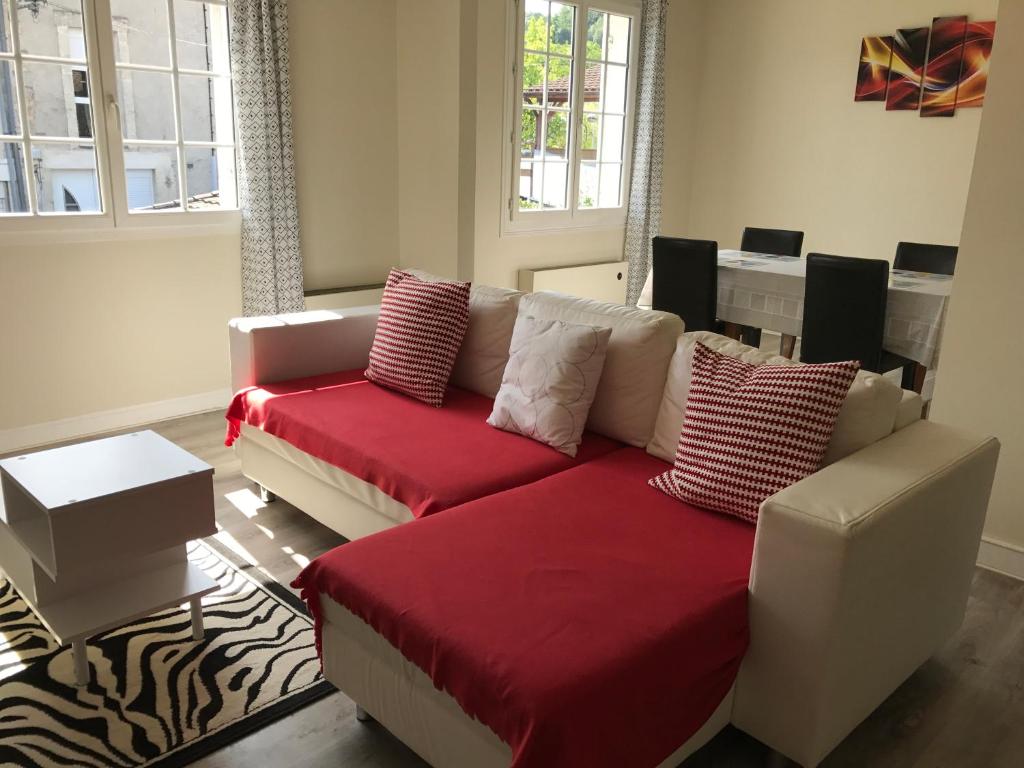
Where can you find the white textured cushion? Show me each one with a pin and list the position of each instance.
(639, 350)
(484, 352)
(910, 410)
(550, 381)
(868, 413)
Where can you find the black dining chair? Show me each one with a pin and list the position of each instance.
(924, 257)
(686, 280)
(782, 242)
(844, 314)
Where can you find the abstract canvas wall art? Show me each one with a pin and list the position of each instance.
(873, 72)
(942, 72)
(974, 73)
(910, 46)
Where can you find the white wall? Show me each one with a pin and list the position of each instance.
(982, 363)
(776, 140)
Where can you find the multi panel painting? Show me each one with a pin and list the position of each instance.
(873, 75)
(931, 69)
(909, 49)
(942, 72)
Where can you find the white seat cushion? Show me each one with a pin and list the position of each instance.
(639, 350)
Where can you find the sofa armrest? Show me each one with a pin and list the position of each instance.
(282, 347)
(860, 573)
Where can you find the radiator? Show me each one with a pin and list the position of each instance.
(605, 282)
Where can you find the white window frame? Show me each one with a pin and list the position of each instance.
(515, 221)
(100, 39)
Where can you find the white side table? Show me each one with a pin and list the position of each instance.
(93, 535)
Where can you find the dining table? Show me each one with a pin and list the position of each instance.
(767, 291)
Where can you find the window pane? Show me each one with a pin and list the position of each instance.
(141, 32)
(588, 185)
(13, 190)
(529, 136)
(5, 27)
(529, 186)
(10, 124)
(68, 181)
(592, 88)
(618, 38)
(555, 181)
(595, 34)
(206, 108)
(535, 27)
(611, 138)
(563, 22)
(611, 174)
(559, 81)
(151, 174)
(211, 178)
(51, 29)
(614, 86)
(557, 135)
(147, 105)
(53, 109)
(536, 188)
(533, 78)
(201, 30)
(591, 135)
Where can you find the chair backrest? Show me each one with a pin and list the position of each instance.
(844, 310)
(686, 280)
(783, 242)
(924, 257)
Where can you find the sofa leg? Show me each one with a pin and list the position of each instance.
(362, 715)
(267, 496)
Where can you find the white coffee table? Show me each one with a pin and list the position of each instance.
(93, 535)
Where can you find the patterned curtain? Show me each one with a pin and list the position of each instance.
(643, 217)
(271, 259)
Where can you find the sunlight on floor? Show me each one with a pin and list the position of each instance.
(302, 560)
(246, 502)
(232, 543)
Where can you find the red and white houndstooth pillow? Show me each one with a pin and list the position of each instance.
(419, 332)
(752, 430)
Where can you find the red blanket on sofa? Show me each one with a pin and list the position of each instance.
(427, 458)
(587, 619)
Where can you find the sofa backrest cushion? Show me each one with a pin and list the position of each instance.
(639, 350)
(868, 413)
(484, 353)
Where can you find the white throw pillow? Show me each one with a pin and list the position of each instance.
(641, 345)
(549, 383)
(484, 352)
(868, 413)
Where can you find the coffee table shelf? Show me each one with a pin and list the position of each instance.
(93, 535)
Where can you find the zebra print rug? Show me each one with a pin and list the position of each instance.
(155, 696)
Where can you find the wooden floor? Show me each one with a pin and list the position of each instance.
(962, 709)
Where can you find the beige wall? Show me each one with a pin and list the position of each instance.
(428, 134)
(344, 100)
(97, 326)
(776, 140)
(982, 363)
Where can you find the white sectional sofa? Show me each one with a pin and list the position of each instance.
(860, 572)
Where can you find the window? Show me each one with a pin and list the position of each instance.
(117, 108)
(571, 119)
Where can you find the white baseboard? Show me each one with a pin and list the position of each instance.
(20, 438)
(1001, 557)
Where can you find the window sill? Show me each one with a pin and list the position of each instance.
(533, 228)
(40, 230)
